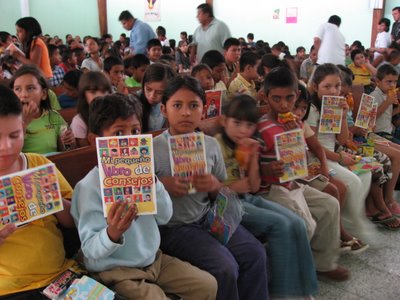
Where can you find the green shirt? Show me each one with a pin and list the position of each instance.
(42, 133)
(131, 82)
(54, 100)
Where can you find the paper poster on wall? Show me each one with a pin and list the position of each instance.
(275, 15)
(152, 10)
(291, 15)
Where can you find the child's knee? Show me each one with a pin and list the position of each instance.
(332, 190)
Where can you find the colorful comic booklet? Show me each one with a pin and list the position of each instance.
(29, 195)
(290, 148)
(213, 105)
(126, 169)
(187, 156)
(88, 289)
(331, 114)
(372, 118)
(364, 111)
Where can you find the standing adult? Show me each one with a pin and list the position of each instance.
(34, 50)
(141, 32)
(210, 35)
(396, 25)
(330, 42)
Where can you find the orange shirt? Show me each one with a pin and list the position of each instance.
(45, 60)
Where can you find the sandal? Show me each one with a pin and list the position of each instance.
(355, 244)
(391, 224)
(394, 208)
(377, 218)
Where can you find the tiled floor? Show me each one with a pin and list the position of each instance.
(375, 274)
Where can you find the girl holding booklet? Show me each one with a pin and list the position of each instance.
(292, 266)
(327, 82)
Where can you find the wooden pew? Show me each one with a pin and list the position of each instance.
(68, 114)
(210, 126)
(357, 91)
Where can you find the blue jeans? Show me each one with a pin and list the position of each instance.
(289, 252)
(239, 266)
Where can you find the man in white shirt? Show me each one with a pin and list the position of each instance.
(330, 42)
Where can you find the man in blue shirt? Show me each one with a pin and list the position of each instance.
(141, 32)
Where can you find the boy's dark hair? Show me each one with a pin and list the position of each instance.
(384, 70)
(243, 108)
(385, 21)
(312, 48)
(136, 61)
(105, 110)
(9, 103)
(213, 58)
(250, 36)
(355, 52)
(111, 61)
(206, 9)
(52, 48)
(183, 82)
(280, 77)
(167, 58)
(299, 49)
(198, 68)
(125, 16)
(66, 54)
(184, 33)
(160, 30)
(396, 8)
(346, 75)
(77, 51)
(4, 36)
(73, 77)
(305, 97)
(334, 19)
(106, 36)
(229, 42)
(166, 50)
(153, 43)
(248, 59)
(172, 43)
(394, 54)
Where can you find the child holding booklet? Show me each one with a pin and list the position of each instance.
(32, 255)
(291, 262)
(122, 250)
(327, 82)
(240, 265)
(281, 92)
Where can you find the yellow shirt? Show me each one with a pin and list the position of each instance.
(33, 256)
(242, 86)
(362, 76)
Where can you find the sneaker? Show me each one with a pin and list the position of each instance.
(339, 274)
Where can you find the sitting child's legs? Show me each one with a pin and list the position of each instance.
(167, 275)
(192, 243)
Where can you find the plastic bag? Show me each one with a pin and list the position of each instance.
(225, 215)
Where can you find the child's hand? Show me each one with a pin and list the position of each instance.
(6, 231)
(392, 98)
(119, 219)
(358, 131)
(343, 104)
(206, 183)
(347, 159)
(30, 111)
(121, 87)
(176, 186)
(251, 144)
(290, 125)
(274, 169)
(240, 186)
(67, 139)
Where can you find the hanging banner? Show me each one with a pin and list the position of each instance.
(152, 10)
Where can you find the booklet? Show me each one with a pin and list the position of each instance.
(290, 147)
(126, 168)
(89, 289)
(372, 118)
(364, 111)
(213, 105)
(331, 114)
(29, 195)
(187, 156)
(57, 287)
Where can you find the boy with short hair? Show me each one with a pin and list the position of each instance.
(69, 60)
(250, 40)
(308, 65)
(32, 255)
(135, 66)
(114, 69)
(154, 50)
(244, 81)
(300, 54)
(123, 249)
(281, 92)
(216, 61)
(55, 60)
(232, 52)
(362, 70)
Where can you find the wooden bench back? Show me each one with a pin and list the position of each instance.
(68, 114)
(357, 91)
